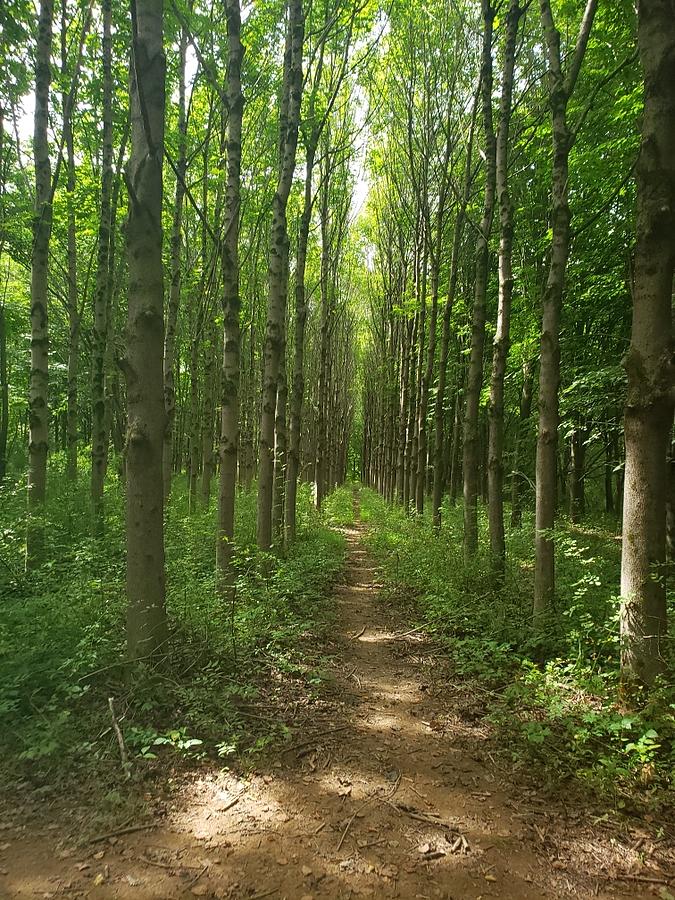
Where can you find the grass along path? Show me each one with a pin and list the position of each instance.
(388, 792)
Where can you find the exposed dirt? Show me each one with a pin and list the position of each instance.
(391, 791)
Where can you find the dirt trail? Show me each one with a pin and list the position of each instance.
(400, 799)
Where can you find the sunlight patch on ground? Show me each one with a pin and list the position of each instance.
(374, 637)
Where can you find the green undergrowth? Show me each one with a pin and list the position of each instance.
(553, 699)
(62, 638)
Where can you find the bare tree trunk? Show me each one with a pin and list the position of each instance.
(211, 387)
(146, 615)
(229, 390)
(501, 340)
(4, 383)
(169, 361)
(440, 474)
(425, 368)
(99, 431)
(298, 385)
(453, 454)
(406, 330)
(71, 266)
(560, 90)
(194, 440)
(408, 491)
(524, 414)
(424, 451)
(649, 402)
(325, 286)
(280, 450)
(4, 394)
(113, 427)
(576, 476)
(38, 402)
(475, 374)
(288, 140)
(670, 506)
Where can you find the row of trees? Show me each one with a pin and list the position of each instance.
(503, 221)
(493, 264)
(236, 142)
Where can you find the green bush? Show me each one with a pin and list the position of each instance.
(62, 633)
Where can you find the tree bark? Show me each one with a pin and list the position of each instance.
(99, 432)
(71, 266)
(146, 416)
(440, 473)
(288, 140)
(229, 389)
(211, 391)
(298, 385)
(419, 461)
(475, 373)
(4, 383)
(169, 361)
(38, 401)
(280, 448)
(649, 362)
(195, 433)
(576, 475)
(560, 91)
(325, 288)
(525, 408)
(500, 348)
(4, 394)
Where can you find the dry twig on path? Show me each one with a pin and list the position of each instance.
(126, 764)
(129, 829)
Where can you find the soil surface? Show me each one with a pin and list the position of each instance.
(390, 790)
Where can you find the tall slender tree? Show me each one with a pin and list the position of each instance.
(146, 417)
(649, 361)
(71, 260)
(99, 435)
(176, 274)
(38, 403)
(475, 373)
(500, 346)
(229, 428)
(289, 117)
(560, 88)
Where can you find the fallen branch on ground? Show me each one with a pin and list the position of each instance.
(130, 829)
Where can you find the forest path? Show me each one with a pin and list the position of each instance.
(392, 793)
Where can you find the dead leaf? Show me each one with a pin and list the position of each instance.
(200, 890)
(99, 880)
